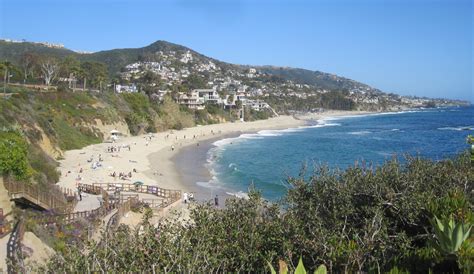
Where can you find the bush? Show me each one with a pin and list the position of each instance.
(13, 155)
(362, 219)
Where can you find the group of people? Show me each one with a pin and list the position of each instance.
(112, 149)
(188, 197)
(96, 165)
(148, 138)
(123, 175)
(91, 159)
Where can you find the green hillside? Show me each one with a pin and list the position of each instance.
(53, 122)
(116, 59)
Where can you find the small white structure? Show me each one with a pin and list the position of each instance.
(127, 89)
(114, 134)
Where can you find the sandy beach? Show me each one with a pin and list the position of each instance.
(149, 158)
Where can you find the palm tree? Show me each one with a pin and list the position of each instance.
(7, 67)
(81, 73)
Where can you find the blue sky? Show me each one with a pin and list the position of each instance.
(410, 47)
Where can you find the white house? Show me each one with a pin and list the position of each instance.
(191, 100)
(123, 88)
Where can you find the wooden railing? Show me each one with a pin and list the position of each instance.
(63, 201)
(123, 208)
(156, 203)
(168, 196)
(59, 199)
(73, 216)
(14, 254)
(154, 190)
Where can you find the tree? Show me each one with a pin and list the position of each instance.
(96, 72)
(7, 67)
(69, 68)
(49, 69)
(13, 155)
(194, 81)
(27, 62)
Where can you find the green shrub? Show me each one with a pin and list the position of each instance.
(358, 220)
(13, 155)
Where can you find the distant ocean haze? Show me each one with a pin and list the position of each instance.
(266, 159)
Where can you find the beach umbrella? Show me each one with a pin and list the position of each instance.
(138, 183)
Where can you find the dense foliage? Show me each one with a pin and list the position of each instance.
(330, 100)
(361, 219)
(13, 155)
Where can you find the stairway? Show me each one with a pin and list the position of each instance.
(53, 199)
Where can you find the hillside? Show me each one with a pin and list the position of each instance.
(116, 59)
(164, 67)
(53, 122)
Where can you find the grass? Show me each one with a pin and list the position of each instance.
(70, 137)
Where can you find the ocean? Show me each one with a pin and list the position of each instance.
(267, 158)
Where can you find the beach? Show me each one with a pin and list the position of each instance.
(151, 158)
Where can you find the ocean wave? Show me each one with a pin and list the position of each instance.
(362, 132)
(239, 194)
(222, 142)
(269, 133)
(233, 167)
(207, 184)
(322, 123)
(459, 128)
(212, 183)
(289, 130)
(248, 136)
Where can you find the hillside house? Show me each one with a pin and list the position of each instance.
(209, 95)
(126, 89)
(191, 100)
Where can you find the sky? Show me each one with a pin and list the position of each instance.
(408, 47)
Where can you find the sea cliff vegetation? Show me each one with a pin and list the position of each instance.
(48, 123)
(414, 216)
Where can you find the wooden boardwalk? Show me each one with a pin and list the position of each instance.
(53, 199)
(60, 203)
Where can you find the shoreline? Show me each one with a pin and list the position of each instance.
(152, 156)
(199, 172)
(149, 154)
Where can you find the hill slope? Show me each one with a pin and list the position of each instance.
(116, 59)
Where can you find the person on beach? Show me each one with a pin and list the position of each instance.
(216, 201)
(185, 197)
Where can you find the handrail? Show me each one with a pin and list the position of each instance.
(14, 253)
(56, 198)
(155, 190)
